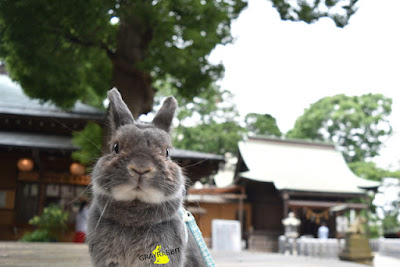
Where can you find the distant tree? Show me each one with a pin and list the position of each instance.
(311, 11)
(211, 137)
(388, 197)
(262, 124)
(391, 224)
(209, 124)
(370, 171)
(357, 124)
(68, 50)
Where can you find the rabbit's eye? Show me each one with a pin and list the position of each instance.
(167, 153)
(115, 148)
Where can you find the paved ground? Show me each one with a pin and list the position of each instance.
(72, 255)
(258, 259)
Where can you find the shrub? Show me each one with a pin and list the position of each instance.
(50, 225)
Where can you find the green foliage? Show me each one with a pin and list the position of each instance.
(89, 140)
(68, 50)
(49, 225)
(357, 124)
(209, 124)
(47, 48)
(374, 230)
(311, 11)
(262, 124)
(390, 223)
(370, 171)
(185, 32)
(39, 235)
(211, 137)
(216, 128)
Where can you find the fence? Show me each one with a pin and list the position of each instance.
(330, 248)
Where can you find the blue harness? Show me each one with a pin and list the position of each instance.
(194, 229)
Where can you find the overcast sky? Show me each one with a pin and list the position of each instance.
(281, 67)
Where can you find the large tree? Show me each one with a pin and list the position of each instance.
(68, 50)
(357, 124)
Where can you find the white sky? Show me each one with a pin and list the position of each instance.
(281, 67)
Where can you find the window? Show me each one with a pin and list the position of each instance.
(27, 201)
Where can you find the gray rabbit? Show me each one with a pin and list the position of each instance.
(137, 193)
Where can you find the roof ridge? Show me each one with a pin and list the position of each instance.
(308, 142)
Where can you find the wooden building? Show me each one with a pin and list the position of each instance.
(35, 162)
(36, 168)
(227, 203)
(307, 178)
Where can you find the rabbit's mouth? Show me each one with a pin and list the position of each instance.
(129, 192)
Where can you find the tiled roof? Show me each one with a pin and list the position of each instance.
(14, 101)
(300, 166)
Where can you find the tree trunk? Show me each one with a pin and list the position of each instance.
(136, 90)
(134, 84)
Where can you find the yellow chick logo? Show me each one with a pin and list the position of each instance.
(161, 258)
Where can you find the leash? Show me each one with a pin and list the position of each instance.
(194, 229)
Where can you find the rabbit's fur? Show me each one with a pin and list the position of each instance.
(137, 192)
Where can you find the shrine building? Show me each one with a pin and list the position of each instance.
(309, 178)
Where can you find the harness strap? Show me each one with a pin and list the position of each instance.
(194, 229)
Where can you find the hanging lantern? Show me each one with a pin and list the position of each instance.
(25, 164)
(77, 169)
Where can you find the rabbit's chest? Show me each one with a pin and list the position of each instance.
(146, 246)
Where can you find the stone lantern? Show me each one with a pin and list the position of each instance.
(357, 247)
(291, 224)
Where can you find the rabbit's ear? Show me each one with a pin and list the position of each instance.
(164, 116)
(119, 112)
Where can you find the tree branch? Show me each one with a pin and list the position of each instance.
(86, 43)
(58, 30)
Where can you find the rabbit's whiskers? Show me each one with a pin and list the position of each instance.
(101, 216)
(85, 190)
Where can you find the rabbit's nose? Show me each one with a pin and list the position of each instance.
(139, 170)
